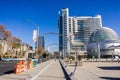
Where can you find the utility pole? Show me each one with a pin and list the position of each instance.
(37, 45)
(38, 40)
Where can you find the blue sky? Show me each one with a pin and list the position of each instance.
(14, 15)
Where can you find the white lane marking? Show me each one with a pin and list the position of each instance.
(42, 71)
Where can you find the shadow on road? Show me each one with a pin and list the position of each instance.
(110, 68)
(64, 71)
(110, 78)
(9, 72)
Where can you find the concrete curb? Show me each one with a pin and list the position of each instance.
(67, 73)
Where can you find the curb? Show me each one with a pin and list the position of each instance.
(66, 72)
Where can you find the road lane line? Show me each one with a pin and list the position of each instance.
(41, 71)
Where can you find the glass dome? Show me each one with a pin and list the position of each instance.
(104, 33)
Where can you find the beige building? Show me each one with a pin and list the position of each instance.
(6, 48)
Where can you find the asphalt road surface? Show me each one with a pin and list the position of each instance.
(7, 67)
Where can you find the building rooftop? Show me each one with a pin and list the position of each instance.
(104, 33)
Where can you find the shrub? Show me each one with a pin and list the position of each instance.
(79, 57)
(72, 57)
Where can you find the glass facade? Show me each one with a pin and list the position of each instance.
(108, 41)
(60, 33)
(83, 28)
(40, 42)
(103, 34)
(65, 27)
(78, 30)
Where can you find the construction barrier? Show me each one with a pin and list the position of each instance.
(35, 63)
(22, 66)
(17, 68)
(31, 63)
(28, 64)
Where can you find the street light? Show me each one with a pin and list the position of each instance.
(37, 31)
(98, 50)
(68, 39)
(37, 37)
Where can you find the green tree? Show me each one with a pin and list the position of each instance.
(80, 57)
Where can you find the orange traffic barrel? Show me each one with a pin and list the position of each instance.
(17, 68)
(22, 68)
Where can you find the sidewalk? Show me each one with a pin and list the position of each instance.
(49, 70)
(96, 71)
(53, 72)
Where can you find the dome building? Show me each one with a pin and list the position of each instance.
(104, 41)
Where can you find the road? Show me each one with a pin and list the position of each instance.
(51, 70)
(48, 70)
(7, 67)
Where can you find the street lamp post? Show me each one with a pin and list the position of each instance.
(37, 33)
(68, 39)
(112, 48)
(98, 47)
(38, 40)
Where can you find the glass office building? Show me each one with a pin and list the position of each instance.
(76, 31)
(41, 42)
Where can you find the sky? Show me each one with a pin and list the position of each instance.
(14, 15)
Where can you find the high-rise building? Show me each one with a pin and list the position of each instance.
(40, 42)
(60, 32)
(75, 31)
